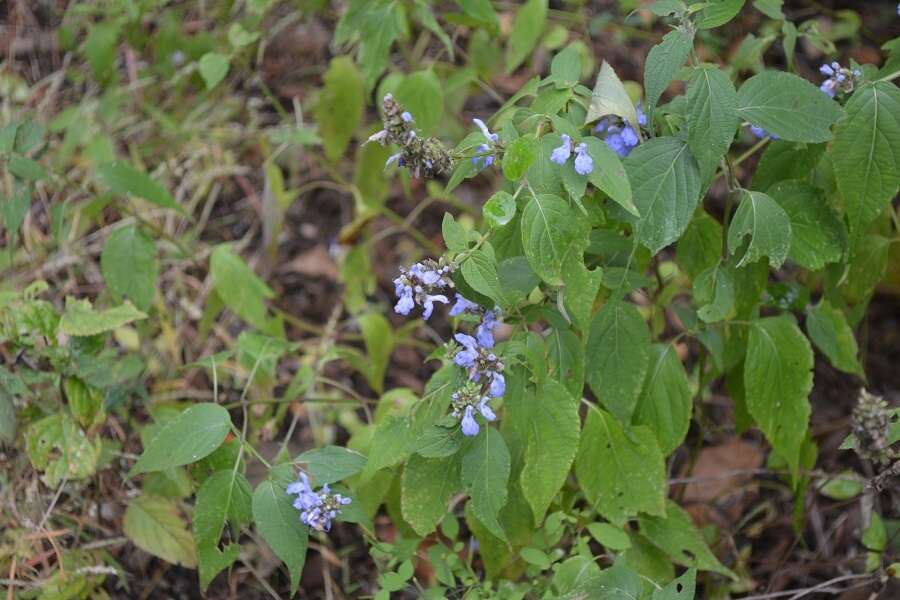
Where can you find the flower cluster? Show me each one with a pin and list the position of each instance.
(871, 424)
(839, 78)
(424, 283)
(619, 135)
(465, 402)
(485, 157)
(422, 156)
(584, 164)
(317, 509)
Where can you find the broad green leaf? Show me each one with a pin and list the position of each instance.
(550, 229)
(239, 287)
(125, 180)
(610, 536)
(618, 353)
(665, 182)
(866, 154)
(544, 176)
(574, 573)
(499, 209)
(714, 294)
(278, 522)
(526, 31)
(786, 160)
(788, 106)
(817, 234)
(438, 441)
(552, 444)
(581, 288)
(390, 445)
(421, 95)
(80, 319)
(616, 583)
(26, 168)
(700, 247)
(682, 588)
(480, 270)
(718, 12)
(828, 329)
(844, 486)
(187, 438)
(777, 382)
(213, 68)
(662, 63)
(456, 237)
(621, 473)
(609, 97)
(155, 525)
(329, 464)
(57, 446)
(868, 263)
(8, 423)
(712, 118)
(519, 157)
(770, 8)
(379, 340)
(85, 402)
(129, 265)
(340, 105)
(609, 174)
(665, 403)
(426, 487)
(677, 535)
(480, 10)
(768, 226)
(485, 474)
(565, 356)
(565, 68)
(222, 494)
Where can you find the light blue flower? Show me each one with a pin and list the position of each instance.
(317, 509)
(561, 154)
(406, 116)
(584, 164)
(485, 158)
(428, 304)
(462, 305)
(485, 330)
(760, 133)
(424, 284)
(466, 358)
(468, 424)
(485, 410)
(498, 384)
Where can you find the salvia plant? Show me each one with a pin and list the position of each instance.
(578, 325)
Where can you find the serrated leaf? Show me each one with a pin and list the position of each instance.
(544, 176)
(714, 294)
(238, 286)
(609, 97)
(80, 319)
(552, 443)
(665, 403)
(622, 473)
(828, 329)
(223, 493)
(817, 233)
(526, 31)
(550, 229)
(125, 180)
(519, 156)
(187, 438)
(609, 175)
(155, 526)
(777, 382)
(788, 106)
(213, 68)
(866, 154)
(700, 246)
(421, 95)
(57, 446)
(499, 209)
(485, 474)
(329, 464)
(618, 353)
(663, 61)
(718, 12)
(340, 106)
(786, 160)
(768, 226)
(480, 270)
(278, 522)
(426, 487)
(581, 288)
(712, 118)
(565, 68)
(665, 183)
(129, 266)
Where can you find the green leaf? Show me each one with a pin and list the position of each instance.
(615, 583)
(155, 525)
(665, 403)
(662, 63)
(618, 353)
(552, 444)
(544, 175)
(843, 486)
(526, 31)
(499, 210)
(480, 10)
(718, 12)
(340, 105)
(239, 287)
(8, 423)
(519, 157)
(700, 247)
(15, 207)
(125, 180)
(828, 329)
(485, 474)
(621, 473)
(770, 8)
(581, 288)
(609, 97)
(666, 186)
(565, 68)
(777, 381)
(712, 118)
(80, 319)
(768, 226)
(26, 168)
(456, 237)
(278, 522)
(187, 438)
(329, 464)
(788, 106)
(100, 48)
(390, 445)
(57, 446)
(609, 174)
(426, 487)
(817, 234)
(682, 588)
(224, 493)
(565, 355)
(714, 294)
(480, 270)
(866, 154)
(421, 95)
(129, 265)
(610, 536)
(786, 160)
(379, 340)
(550, 229)
(213, 68)
(677, 536)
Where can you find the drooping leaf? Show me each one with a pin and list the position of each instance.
(714, 294)
(278, 522)
(125, 180)
(340, 106)
(224, 493)
(663, 60)
(129, 265)
(609, 175)
(156, 526)
(421, 95)
(57, 446)
(817, 234)
(768, 226)
(426, 488)
(187, 438)
(485, 474)
(665, 403)
(239, 287)
(609, 97)
(828, 329)
(712, 118)
(526, 31)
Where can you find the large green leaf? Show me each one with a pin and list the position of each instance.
(519, 157)
(425, 490)
(554, 426)
(331, 463)
(239, 287)
(662, 63)
(129, 265)
(278, 522)
(777, 382)
(80, 319)
(550, 230)
(622, 473)
(485, 474)
(866, 153)
(156, 526)
(817, 234)
(665, 401)
(768, 226)
(618, 352)
(526, 31)
(665, 182)
(786, 160)
(700, 247)
(340, 106)
(544, 176)
(828, 329)
(718, 12)
(682, 588)
(421, 95)
(223, 493)
(609, 174)
(788, 106)
(125, 180)
(57, 446)
(712, 118)
(192, 435)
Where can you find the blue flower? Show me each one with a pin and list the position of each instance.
(317, 509)
(466, 358)
(561, 154)
(761, 133)
(486, 411)
(839, 79)
(620, 136)
(498, 384)
(641, 116)
(485, 159)
(424, 284)
(485, 330)
(468, 424)
(406, 116)
(428, 304)
(462, 305)
(584, 164)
